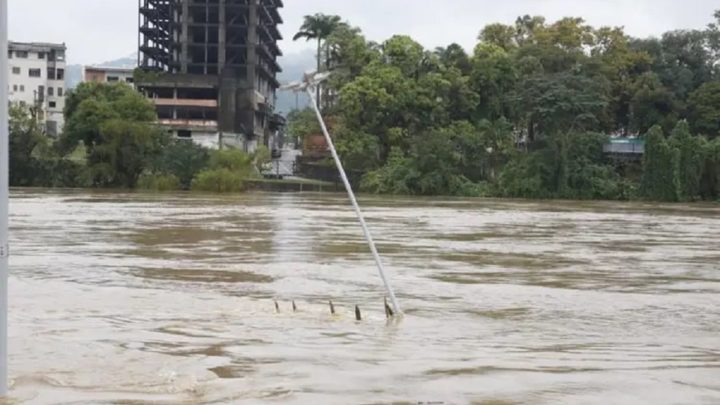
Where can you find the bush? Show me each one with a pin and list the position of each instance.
(710, 180)
(396, 177)
(661, 163)
(233, 160)
(159, 182)
(219, 181)
(470, 189)
(692, 160)
(523, 177)
(182, 159)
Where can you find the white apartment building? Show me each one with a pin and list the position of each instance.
(37, 79)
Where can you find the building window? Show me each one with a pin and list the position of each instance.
(35, 73)
(52, 104)
(10, 54)
(21, 54)
(51, 73)
(129, 80)
(15, 88)
(51, 91)
(112, 79)
(16, 70)
(60, 74)
(22, 88)
(60, 91)
(41, 55)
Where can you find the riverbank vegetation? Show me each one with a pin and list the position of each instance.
(526, 113)
(111, 141)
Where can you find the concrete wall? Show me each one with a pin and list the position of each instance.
(96, 76)
(107, 75)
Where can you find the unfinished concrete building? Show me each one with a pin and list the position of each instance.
(210, 67)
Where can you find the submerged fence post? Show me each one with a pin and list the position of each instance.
(388, 310)
(4, 195)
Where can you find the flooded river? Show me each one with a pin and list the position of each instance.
(168, 299)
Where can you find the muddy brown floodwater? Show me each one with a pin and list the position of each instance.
(168, 299)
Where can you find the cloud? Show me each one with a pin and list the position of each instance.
(100, 30)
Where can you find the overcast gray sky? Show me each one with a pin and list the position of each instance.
(100, 30)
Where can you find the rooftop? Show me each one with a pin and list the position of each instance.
(35, 46)
(109, 69)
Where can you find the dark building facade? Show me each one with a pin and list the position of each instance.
(210, 67)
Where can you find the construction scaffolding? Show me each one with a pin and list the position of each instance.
(218, 61)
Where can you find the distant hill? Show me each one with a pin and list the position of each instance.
(294, 66)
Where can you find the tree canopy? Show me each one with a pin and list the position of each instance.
(527, 113)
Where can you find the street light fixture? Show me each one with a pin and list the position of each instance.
(309, 84)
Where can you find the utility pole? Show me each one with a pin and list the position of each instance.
(4, 194)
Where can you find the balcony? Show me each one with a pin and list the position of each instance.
(210, 125)
(185, 102)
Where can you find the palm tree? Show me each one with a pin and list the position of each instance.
(318, 27)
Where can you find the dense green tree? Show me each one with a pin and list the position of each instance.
(682, 60)
(660, 168)
(713, 35)
(26, 142)
(652, 103)
(349, 53)
(454, 56)
(182, 159)
(561, 103)
(621, 66)
(692, 160)
(710, 180)
(404, 53)
(498, 35)
(92, 104)
(34, 158)
(529, 112)
(588, 175)
(115, 123)
(358, 150)
(123, 151)
(704, 106)
(302, 123)
(493, 77)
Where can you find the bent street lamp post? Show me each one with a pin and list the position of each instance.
(309, 85)
(4, 194)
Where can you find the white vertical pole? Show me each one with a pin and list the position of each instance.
(366, 230)
(4, 194)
